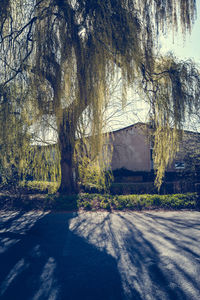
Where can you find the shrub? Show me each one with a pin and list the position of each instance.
(137, 202)
(40, 186)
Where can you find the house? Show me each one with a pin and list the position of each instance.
(132, 159)
(131, 149)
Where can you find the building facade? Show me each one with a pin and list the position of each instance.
(132, 159)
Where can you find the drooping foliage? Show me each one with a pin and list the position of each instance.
(20, 159)
(65, 52)
(190, 150)
(13, 134)
(173, 88)
(40, 163)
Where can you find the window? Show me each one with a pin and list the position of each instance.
(179, 165)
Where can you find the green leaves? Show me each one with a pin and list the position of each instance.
(138, 202)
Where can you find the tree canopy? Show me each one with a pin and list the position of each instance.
(65, 53)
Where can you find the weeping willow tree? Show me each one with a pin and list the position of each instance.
(21, 157)
(67, 51)
(13, 134)
(173, 88)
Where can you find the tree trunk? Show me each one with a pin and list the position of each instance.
(68, 184)
(66, 144)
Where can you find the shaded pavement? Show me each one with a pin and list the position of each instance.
(100, 255)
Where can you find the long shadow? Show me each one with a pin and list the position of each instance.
(143, 254)
(171, 225)
(179, 222)
(14, 216)
(101, 256)
(150, 272)
(146, 268)
(50, 262)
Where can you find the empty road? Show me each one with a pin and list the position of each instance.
(100, 255)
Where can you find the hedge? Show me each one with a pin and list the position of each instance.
(138, 202)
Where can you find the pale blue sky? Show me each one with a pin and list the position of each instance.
(182, 49)
(190, 48)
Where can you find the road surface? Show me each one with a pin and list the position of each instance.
(100, 255)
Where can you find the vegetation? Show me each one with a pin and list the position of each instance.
(40, 186)
(85, 201)
(13, 134)
(138, 202)
(190, 150)
(63, 55)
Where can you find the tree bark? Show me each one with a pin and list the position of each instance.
(66, 144)
(68, 182)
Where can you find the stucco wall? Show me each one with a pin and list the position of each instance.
(131, 149)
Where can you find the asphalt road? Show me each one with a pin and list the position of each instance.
(125, 255)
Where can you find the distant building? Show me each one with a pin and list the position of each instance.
(133, 155)
(132, 149)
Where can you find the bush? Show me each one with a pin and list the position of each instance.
(94, 201)
(40, 186)
(137, 202)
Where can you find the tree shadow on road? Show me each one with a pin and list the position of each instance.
(165, 267)
(48, 261)
(155, 261)
(100, 256)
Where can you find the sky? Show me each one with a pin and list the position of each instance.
(188, 49)
(183, 49)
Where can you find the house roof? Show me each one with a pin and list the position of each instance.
(130, 126)
(142, 124)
